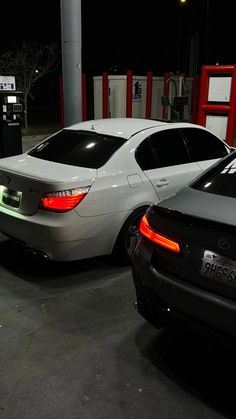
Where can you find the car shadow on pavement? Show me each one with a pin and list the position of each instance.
(201, 363)
(15, 259)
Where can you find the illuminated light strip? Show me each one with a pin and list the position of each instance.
(157, 238)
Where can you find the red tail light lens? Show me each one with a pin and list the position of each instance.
(63, 201)
(157, 238)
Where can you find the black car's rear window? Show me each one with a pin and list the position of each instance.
(220, 179)
(78, 148)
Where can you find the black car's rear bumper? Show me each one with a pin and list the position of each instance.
(160, 296)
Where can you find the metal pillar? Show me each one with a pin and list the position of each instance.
(129, 87)
(105, 95)
(148, 113)
(71, 60)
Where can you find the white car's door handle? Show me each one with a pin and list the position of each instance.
(162, 182)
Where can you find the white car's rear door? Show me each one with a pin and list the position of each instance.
(166, 162)
(168, 180)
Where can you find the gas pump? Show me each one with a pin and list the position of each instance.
(176, 99)
(11, 110)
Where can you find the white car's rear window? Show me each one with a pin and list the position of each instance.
(78, 148)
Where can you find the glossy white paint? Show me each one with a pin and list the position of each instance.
(46, 171)
(116, 190)
(168, 180)
(119, 127)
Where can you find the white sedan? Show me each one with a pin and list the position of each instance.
(82, 191)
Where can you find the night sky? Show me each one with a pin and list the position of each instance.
(118, 36)
(122, 35)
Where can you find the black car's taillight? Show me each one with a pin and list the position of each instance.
(147, 231)
(63, 201)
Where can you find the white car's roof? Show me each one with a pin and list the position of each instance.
(119, 127)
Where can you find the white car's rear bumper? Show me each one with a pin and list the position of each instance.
(63, 237)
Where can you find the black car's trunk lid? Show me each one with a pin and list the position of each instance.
(208, 243)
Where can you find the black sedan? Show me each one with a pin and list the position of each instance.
(184, 263)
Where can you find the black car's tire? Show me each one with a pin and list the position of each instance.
(127, 237)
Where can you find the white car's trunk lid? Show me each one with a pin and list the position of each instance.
(24, 179)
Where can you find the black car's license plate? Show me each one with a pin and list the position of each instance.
(218, 267)
(11, 198)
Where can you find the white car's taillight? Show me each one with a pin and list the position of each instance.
(63, 201)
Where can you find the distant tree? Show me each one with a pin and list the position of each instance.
(28, 64)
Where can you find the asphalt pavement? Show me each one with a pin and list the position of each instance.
(73, 347)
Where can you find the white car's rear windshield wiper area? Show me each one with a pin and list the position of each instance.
(78, 148)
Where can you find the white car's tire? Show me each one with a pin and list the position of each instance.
(127, 237)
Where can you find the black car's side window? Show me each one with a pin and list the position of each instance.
(169, 148)
(202, 144)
